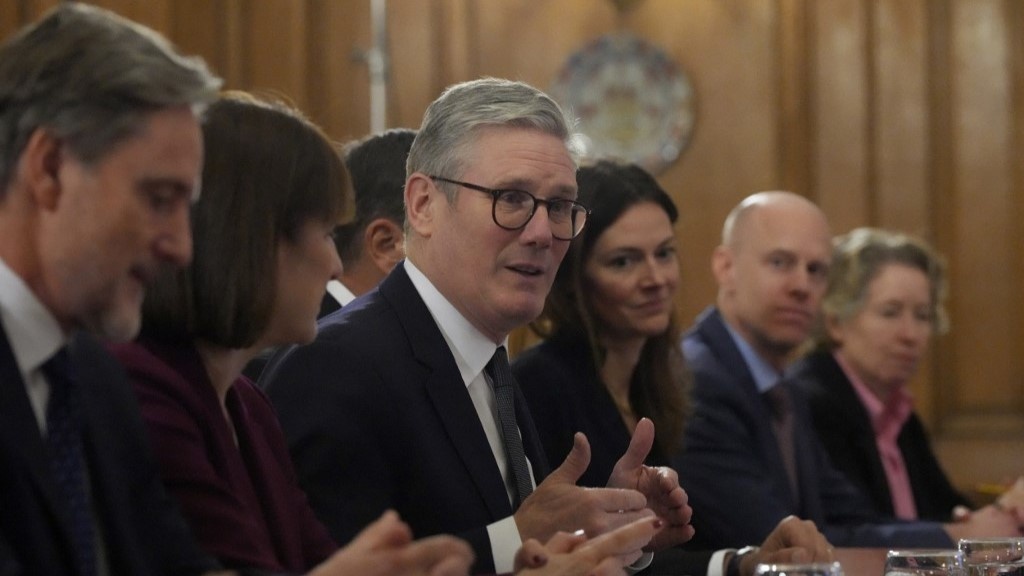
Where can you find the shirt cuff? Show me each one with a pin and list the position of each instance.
(642, 562)
(505, 542)
(716, 567)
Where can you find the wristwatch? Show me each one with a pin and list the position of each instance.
(733, 569)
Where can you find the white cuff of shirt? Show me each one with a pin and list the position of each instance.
(505, 542)
(716, 567)
(642, 562)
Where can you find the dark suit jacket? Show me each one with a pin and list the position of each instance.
(377, 417)
(732, 469)
(844, 428)
(243, 502)
(142, 529)
(566, 396)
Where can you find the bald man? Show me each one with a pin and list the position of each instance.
(750, 457)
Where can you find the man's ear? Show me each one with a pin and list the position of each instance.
(722, 266)
(421, 204)
(384, 243)
(39, 168)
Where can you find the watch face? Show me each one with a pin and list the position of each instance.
(632, 102)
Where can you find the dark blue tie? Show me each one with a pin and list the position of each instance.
(67, 461)
(501, 377)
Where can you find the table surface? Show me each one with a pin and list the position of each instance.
(861, 561)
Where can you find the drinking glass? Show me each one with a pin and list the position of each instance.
(815, 569)
(993, 556)
(924, 563)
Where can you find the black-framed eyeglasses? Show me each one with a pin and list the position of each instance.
(513, 209)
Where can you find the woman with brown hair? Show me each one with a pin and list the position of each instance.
(611, 354)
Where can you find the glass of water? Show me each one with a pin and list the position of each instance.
(993, 556)
(924, 563)
(815, 569)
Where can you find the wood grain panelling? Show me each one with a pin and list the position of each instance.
(338, 82)
(275, 47)
(906, 114)
(794, 89)
(982, 239)
(841, 96)
(899, 143)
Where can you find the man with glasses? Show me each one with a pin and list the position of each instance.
(405, 399)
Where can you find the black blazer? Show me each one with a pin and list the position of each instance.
(732, 469)
(143, 531)
(566, 396)
(844, 427)
(377, 417)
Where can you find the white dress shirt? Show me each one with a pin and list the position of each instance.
(340, 292)
(472, 351)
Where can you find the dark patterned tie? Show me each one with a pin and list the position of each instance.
(67, 461)
(504, 386)
(782, 423)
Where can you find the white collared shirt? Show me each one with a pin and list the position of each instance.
(34, 336)
(340, 292)
(472, 351)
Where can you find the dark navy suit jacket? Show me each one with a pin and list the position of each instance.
(732, 469)
(377, 416)
(844, 428)
(565, 395)
(143, 531)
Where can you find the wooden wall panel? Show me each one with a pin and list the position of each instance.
(841, 100)
(274, 48)
(982, 241)
(338, 82)
(899, 132)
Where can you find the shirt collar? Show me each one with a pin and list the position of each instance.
(889, 416)
(765, 376)
(32, 331)
(470, 347)
(340, 292)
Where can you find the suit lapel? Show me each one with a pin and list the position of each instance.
(18, 424)
(444, 387)
(863, 434)
(713, 330)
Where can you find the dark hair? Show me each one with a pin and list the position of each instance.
(267, 171)
(376, 165)
(91, 78)
(661, 382)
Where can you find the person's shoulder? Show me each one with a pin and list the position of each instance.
(556, 364)
(817, 377)
(254, 399)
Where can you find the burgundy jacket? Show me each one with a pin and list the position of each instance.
(242, 502)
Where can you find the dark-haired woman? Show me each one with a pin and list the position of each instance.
(611, 354)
